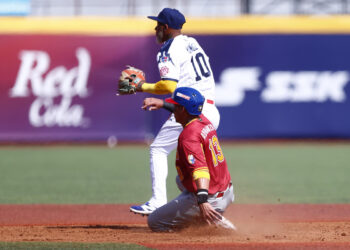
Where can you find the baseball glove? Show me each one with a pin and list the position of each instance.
(129, 80)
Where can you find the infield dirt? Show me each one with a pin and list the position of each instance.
(283, 226)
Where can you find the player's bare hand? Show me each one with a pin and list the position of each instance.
(209, 214)
(152, 103)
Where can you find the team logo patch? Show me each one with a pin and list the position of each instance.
(164, 59)
(164, 71)
(191, 159)
(183, 96)
(192, 47)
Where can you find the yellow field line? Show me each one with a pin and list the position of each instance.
(144, 26)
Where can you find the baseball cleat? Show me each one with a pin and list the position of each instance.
(144, 209)
(225, 223)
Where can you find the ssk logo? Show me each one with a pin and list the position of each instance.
(281, 86)
(54, 89)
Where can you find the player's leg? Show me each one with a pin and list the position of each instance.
(176, 214)
(211, 112)
(163, 144)
(220, 204)
(184, 210)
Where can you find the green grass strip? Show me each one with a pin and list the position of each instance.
(261, 173)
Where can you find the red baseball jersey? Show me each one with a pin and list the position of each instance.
(199, 149)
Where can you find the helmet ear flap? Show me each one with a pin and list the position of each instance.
(200, 108)
(183, 109)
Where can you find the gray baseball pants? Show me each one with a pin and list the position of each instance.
(184, 210)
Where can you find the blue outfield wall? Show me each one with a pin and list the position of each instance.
(281, 86)
(62, 87)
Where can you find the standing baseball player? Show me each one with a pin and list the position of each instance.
(181, 62)
(203, 176)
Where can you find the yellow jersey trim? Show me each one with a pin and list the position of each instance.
(201, 173)
(195, 119)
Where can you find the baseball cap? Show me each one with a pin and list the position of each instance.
(190, 98)
(172, 17)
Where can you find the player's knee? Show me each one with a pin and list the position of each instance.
(158, 224)
(150, 222)
(153, 223)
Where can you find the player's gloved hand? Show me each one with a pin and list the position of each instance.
(131, 80)
(125, 88)
(135, 81)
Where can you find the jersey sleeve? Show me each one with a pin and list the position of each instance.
(194, 154)
(160, 88)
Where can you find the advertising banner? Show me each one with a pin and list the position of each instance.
(62, 87)
(281, 86)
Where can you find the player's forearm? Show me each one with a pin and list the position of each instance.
(201, 177)
(162, 87)
(152, 103)
(202, 190)
(202, 183)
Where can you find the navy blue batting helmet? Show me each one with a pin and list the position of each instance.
(190, 98)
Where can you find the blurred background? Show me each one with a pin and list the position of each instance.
(207, 8)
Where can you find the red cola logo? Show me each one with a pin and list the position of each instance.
(54, 88)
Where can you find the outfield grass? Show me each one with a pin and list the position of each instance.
(291, 173)
(262, 173)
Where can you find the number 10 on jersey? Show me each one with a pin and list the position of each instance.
(198, 62)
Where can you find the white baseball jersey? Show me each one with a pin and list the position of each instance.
(182, 59)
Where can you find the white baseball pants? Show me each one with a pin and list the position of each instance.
(163, 144)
